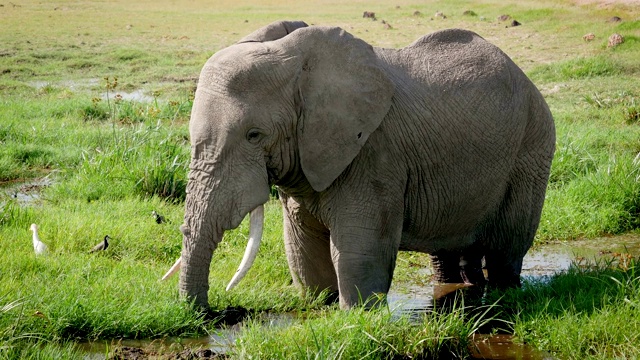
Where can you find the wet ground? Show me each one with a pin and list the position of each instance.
(87, 85)
(411, 299)
(25, 193)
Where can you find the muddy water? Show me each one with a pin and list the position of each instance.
(25, 193)
(414, 300)
(90, 84)
(137, 95)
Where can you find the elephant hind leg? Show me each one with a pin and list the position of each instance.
(459, 266)
(508, 238)
(308, 250)
(446, 266)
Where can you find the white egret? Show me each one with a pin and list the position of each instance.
(38, 246)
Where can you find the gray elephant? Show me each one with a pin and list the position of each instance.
(442, 147)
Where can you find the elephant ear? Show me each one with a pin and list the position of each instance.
(273, 31)
(344, 95)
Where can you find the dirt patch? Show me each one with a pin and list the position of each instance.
(607, 3)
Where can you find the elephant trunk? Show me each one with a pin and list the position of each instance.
(195, 262)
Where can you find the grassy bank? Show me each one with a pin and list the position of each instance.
(66, 115)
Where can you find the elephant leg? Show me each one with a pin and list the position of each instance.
(511, 234)
(446, 266)
(308, 251)
(458, 266)
(471, 266)
(364, 254)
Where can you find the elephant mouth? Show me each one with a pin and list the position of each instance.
(273, 176)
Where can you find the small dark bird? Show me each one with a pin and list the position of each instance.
(159, 218)
(102, 245)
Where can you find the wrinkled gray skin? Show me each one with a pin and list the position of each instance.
(442, 147)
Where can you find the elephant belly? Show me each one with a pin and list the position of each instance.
(454, 216)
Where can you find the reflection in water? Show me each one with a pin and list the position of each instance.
(220, 342)
(503, 347)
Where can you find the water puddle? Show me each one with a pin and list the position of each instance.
(90, 84)
(73, 85)
(503, 347)
(25, 193)
(218, 343)
(137, 96)
(408, 299)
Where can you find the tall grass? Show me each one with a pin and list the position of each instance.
(364, 334)
(605, 199)
(586, 313)
(151, 161)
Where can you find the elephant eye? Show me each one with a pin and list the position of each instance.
(254, 135)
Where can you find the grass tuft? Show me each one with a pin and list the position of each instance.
(580, 68)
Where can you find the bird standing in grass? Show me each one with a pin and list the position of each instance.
(102, 245)
(159, 218)
(38, 246)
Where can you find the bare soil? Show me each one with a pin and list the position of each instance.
(608, 3)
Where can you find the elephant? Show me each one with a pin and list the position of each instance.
(442, 147)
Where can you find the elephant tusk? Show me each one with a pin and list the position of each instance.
(255, 236)
(174, 269)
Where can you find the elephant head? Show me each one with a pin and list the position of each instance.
(284, 107)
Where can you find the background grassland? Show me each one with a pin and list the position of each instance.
(112, 161)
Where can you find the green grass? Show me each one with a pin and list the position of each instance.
(585, 313)
(579, 68)
(112, 161)
(362, 334)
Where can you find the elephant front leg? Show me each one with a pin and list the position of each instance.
(364, 255)
(308, 253)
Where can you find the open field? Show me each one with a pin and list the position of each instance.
(95, 99)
